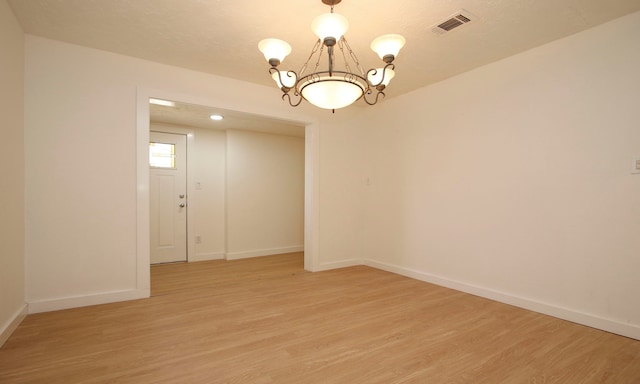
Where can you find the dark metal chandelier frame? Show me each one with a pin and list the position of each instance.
(371, 83)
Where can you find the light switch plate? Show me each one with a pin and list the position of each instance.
(636, 165)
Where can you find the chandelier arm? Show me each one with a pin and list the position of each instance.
(289, 99)
(374, 71)
(291, 74)
(375, 100)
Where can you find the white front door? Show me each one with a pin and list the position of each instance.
(168, 197)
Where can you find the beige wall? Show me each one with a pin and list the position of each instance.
(513, 181)
(208, 163)
(342, 179)
(12, 301)
(265, 194)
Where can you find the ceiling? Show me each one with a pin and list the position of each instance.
(198, 116)
(221, 37)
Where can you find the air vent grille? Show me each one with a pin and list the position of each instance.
(456, 20)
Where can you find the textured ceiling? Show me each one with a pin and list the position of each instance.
(221, 37)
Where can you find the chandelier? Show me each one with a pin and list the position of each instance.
(338, 86)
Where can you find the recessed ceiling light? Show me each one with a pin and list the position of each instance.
(216, 117)
(165, 103)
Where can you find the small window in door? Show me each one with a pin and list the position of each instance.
(162, 155)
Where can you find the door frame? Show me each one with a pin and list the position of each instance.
(311, 178)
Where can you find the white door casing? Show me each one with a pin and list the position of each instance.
(168, 203)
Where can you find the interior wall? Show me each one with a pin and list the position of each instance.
(513, 181)
(82, 191)
(342, 172)
(265, 194)
(208, 162)
(12, 226)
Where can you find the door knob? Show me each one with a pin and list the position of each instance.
(181, 205)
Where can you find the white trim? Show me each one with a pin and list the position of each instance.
(312, 144)
(83, 301)
(143, 248)
(206, 256)
(312, 191)
(337, 265)
(609, 325)
(263, 252)
(10, 326)
(225, 197)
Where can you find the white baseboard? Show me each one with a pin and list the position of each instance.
(263, 252)
(613, 326)
(207, 256)
(336, 265)
(11, 325)
(84, 301)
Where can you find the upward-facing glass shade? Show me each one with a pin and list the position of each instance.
(274, 49)
(388, 45)
(330, 25)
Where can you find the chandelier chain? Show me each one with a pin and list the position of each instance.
(313, 52)
(315, 69)
(344, 57)
(353, 56)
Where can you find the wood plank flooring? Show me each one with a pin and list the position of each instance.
(267, 321)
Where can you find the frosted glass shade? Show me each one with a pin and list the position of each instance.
(375, 79)
(331, 94)
(274, 49)
(330, 25)
(388, 45)
(288, 79)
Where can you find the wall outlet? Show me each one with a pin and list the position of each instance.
(198, 240)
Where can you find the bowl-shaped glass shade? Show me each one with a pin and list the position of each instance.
(330, 25)
(376, 78)
(332, 92)
(388, 45)
(274, 49)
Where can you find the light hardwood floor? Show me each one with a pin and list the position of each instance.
(266, 320)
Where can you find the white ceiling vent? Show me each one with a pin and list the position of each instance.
(454, 21)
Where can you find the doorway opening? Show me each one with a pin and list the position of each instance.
(259, 128)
